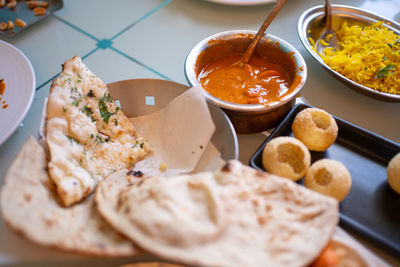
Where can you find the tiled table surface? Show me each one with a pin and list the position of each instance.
(127, 39)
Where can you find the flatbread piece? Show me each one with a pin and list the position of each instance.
(88, 135)
(30, 206)
(236, 216)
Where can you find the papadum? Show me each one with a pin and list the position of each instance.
(236, 216)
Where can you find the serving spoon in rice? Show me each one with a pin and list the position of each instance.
(328, 38)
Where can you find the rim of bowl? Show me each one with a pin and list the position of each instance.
(301, 70)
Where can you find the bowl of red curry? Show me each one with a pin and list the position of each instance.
(256, 96)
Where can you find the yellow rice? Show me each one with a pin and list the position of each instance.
(368, 55)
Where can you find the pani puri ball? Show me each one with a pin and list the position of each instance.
(316, 128)
(329, 177)
(287, 157)
(393, 173)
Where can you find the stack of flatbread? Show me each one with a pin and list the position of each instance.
(48, 198)
(81, 195)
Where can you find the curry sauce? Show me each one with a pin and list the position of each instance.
(258, 82)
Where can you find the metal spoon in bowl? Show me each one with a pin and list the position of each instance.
(249, 51)
(328, 38)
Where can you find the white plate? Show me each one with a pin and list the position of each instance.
(242, 2)
(20, 81)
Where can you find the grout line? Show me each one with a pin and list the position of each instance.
(139, 63)
(46, 82)
(111, 47)
(91, 52)
(140, 19)
(76, 28)
(55, 76)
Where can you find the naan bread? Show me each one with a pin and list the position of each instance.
(31, 207)
(88, 136)
(236, 216)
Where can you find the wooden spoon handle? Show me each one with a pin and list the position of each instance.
(328, 14)
(278, 6)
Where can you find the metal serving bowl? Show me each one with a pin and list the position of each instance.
(249, 118)
(310, 25)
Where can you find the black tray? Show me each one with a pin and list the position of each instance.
(372, 208)
(23, 12)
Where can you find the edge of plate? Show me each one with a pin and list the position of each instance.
(32, 94)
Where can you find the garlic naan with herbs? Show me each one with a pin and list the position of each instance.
(88, 135)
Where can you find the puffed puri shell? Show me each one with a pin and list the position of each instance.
(393, 173)
(287, 157)
(316, 128)
(329, 177)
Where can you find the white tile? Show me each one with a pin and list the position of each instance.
(104, 18)
(111, 66)
(48, 44)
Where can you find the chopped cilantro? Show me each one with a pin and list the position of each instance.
(106, 98)
(105, 114)
(64, 109)
(365, 68)
(384, 72)
(88, 111)
(390, 45)
(91, 135)
(135, 145)
(79, 76)
(116, 122)
(398, 41)
(141, 145)
(99, 139)
(71, 139)
(74, 89)
(78, 81)
(77, 100)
